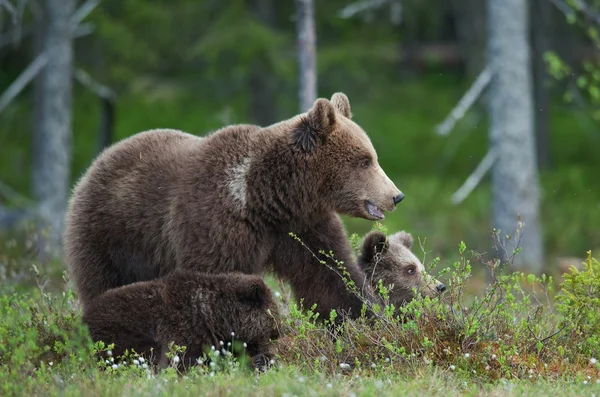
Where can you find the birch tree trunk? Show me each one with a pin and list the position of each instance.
(306, 54)
(53, 130)
(514, 174)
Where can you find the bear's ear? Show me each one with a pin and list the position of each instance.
(340, 102)
(404, 238)
(253, 292)
(315, 126)
(374, 243)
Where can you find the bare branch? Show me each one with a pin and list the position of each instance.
(97, 88)
(579, 5)
(355, 8)
(465, 103)
(83, 11)
(476, 177)
(10, 8)
(564, 8)
(13, 196)
(24, 78)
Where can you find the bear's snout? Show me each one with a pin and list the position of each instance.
(397, 199)
(441, 288)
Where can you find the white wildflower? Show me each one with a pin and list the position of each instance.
(329, 385)
(176, 359)
(245, 345)
(51, 363)
(593, 361)
(277, 294)
(487, 367)
(467, 355)
(585, 382)
(142, 359)
(271, 362)
(373, 365)
(136, 362)
(221, 343)
(232, 333)
(493, 356)
(344, 365)
(212, 374)
(452, 368)
(109, 353)
(144, 365)
(115, 366)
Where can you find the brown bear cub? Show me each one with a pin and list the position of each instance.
(191, 309)
(391, 260)
(163, 200)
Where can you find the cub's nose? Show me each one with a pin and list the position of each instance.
(398, 198)
(441, 287)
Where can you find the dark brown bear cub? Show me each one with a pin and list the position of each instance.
(391, 260)
(162, 200)
(190, 309)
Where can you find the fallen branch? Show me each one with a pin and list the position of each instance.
(24, 78)
(355, 8)
(473, 180)
(465, 102)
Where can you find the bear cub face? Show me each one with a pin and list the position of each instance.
(391, 260)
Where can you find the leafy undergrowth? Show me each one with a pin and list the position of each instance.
(517, 337)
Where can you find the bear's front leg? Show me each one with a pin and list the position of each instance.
(300, 263)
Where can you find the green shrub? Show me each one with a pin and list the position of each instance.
(579, 303)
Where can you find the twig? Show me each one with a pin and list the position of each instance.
(83, 11)
(97, 88)
(465, 102)
(474, 179)
(579, 5)
(360, 6)
(24, 78)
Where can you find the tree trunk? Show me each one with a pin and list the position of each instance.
(540, 22)
(306, 54)
(52, 130)
(514, 175)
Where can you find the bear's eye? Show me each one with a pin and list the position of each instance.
(365, 163)
(411, 271)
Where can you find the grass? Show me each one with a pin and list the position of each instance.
(517, 336)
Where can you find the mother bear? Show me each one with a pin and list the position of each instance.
(164, 199)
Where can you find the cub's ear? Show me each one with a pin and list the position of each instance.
(314, 126)
(253, 292)
(374, 243)
(340, 102)
(404, 238)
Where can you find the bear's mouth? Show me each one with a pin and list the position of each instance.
(374, 210)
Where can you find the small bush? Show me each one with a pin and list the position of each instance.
(579, 303)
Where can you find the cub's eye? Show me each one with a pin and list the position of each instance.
(411, 271)
(365, 163)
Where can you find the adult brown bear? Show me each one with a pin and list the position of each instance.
(165, 199)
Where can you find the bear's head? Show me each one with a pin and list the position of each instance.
(251, 308)
(343, 161)
(391, 260)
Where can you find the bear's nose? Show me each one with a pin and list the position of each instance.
(398, 198)
(441, 287)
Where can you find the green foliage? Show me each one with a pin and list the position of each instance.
(579, 303)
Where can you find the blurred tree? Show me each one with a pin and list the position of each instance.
(306, 54)
(470, 21)
(52, 133)
(515, 188)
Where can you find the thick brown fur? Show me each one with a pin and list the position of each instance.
(164, 199)
(191, 309)
(391, 260)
